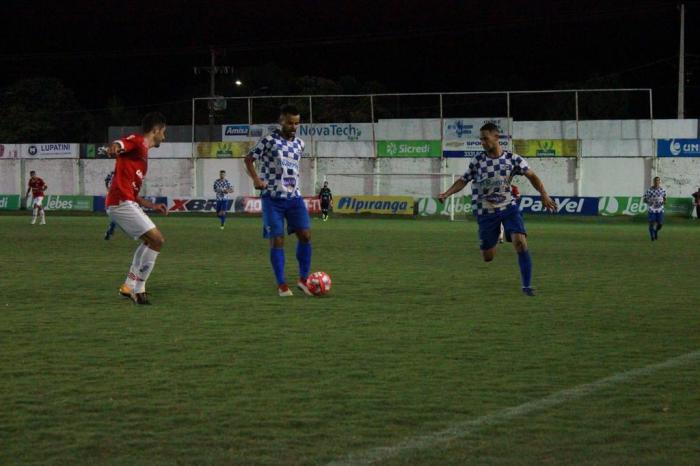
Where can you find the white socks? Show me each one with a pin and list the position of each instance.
(148, 261)
(135, 263)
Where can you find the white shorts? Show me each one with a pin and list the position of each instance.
(36, 201)
(131, 218)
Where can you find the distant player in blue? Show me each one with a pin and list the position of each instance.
(279, 156)
(112, 225)
(222, 188)
(655, 198)
(493, 202)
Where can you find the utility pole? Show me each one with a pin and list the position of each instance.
(213, 70)
(681, 68)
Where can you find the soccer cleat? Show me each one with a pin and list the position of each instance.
(141, 298)
(108, 235)
(125, 291)
(221, 228)
(529, 291)
(301, 284)
(33, 221)
(283, 290)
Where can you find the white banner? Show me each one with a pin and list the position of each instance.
(9, 151)
(408, 129)
(50, 151)
(335, 132)
(460, 129)
(244, 132)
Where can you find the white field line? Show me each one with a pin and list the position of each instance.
(463, 429)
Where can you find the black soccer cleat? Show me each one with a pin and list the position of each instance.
(141, 298)
(528, 291)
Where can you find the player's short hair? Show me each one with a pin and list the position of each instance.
(491, 127)
(222, 171)
(289, 109)
(152, 120)
(32, 173)
(657, 178)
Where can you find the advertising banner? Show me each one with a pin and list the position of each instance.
(9, 151)
(678, 147)
(245, 132)
(189, 204)
(10, 202)
(545, 147)
(61, 202)
(426, 206)
(50, 151)
(634, 206)
(385, 205)
(253, 205)
(408, 149)
(98, 202)
(470, 147)
(565, 205)
(348, 132)
(224, 149)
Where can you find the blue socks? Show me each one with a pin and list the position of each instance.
(223, 219)
(304, 258)
(525, 263)
(652, 232)
(277, 261)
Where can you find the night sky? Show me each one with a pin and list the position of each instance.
(143, 52)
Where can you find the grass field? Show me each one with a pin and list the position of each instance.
(417, 338)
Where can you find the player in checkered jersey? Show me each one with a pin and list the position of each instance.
(222, 188)
(493, 202)
(279, 156)
(655, 198)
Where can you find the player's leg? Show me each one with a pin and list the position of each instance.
(110, 230)
(298, 222)
(515, 228)
(659, 223)
(652, 225)
(153, 240)
(697, 212)
(489, 228)
(35, 212)
(500, 236)
(273, 229)
(324, 210)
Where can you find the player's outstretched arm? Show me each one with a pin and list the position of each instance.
(456, 187)
(547, 201)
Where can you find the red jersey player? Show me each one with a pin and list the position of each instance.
(37, 187)
(124, 204)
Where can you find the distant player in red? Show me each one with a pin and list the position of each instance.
(516, 194)
(37, 187)
(124, 205)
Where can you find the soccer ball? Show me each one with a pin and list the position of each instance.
(319, 283)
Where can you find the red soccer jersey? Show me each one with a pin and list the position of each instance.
(129, 171)
(38, 186)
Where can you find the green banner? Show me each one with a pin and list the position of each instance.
(9, 202)
(634, 205)
(59, 202)
(427, 206)
(409, 149)
(546, 147)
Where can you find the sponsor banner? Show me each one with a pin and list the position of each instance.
(224, 149)
(460, 129)
(93, 151)
(245, 132)
(678, 147)
(348, 132)
(98, 202)
(427, 206)
(61, 202)
(470, 147)
(50, 151)
(565, 205)
(10, 202)
(388, 205)
(9, 151)
(546, 147)
(189, 204)
(408, 149)
(253, 205)
(634, 205)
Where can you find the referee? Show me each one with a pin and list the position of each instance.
(326, 197)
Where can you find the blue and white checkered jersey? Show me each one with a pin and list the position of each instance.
(280, 159)
(491, 180)
(221, 188)
(654, 197)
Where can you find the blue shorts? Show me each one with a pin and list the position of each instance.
(276, 210)
(223, 204)
(657, 217)
(490, 226)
